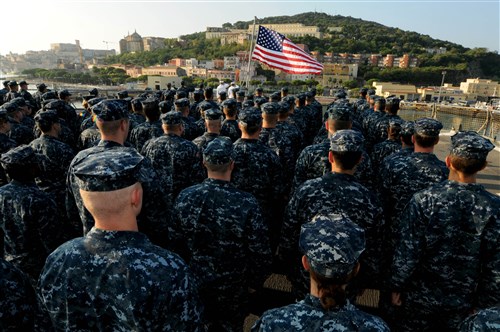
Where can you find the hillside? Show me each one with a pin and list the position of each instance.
(357, 36)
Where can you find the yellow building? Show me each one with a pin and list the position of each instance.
(291, 29)
(335, 73)
(480, 87)
(402, 91)
(167, 71)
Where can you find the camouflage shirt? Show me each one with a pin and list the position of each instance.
(6, 143)
(447, 259)
(202, 141)
(175, 158)
(309, 316)
(58, 156)
(382, 150)
(32, 229)
(484, 320)
(17, 299)
(230, 129)
(257, 170)
(402, 178)
(120, 281)
(20, 133)
(144, 132)
(341, 194)
(226, 245)
(191, 130)
(88, 138)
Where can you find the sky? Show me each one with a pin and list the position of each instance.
(100, 24)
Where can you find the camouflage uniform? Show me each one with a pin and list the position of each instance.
(144, 132)
(402, 178)
(226, 260)
(335, 193)
(174, 157)
(484, 320)
(6, 143)
(118, 280)
(17, 299)
(257, 170)
(332, 245)
(447, 260)
(230, 129)
(55, 164)
(382, 150)
(157, 191)
(202, 141)
(88, 138)
(28, 217)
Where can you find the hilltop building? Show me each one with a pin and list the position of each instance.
(480, 87)
(135, 43)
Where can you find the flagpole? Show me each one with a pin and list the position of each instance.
(250, 52)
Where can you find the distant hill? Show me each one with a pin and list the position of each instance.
(357, 36)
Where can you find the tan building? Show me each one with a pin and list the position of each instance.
(221, 74)
(291, 29)
(335, 73)
(480, 87)
(131, 43)
(134, 71)
(196, 72)
(167, 71)
(160, 82)
(402, 91)
(449, 93)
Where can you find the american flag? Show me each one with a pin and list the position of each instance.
(277, 51)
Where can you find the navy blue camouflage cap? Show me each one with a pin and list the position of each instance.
(113, 109)
(313, 91)
(222, 94)
(13, 83)
(172, 118)
(290, 100)
(93, 92)
(347, 140)
(301, 96)
(229, 103)
(181, 94)
(182, 102)
(271, 107)
(247, 103)
(95, 101)
(470, 145)
(213, 114)
(396, 123)
(109, 170)
(122, 94)
(259, 100)
(23, 82)
(49, 95)
(259, 89)
(198, 92)
(340, 94)
(284, 89)
(373, 96)
(47, 117)
(428, 127)
(149, 102)
(251, 116)
(205, 105)
(371, 92)
(284, 107)
(275, 96)
(19, 101)
(408, 128)
(341, 112)
(309, 94)
(240, 93)
(64, 93)
(332, 245)
(10, 108)
(218, 151)
(165, 106)
(21, 155)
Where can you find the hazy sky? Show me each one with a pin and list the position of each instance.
(35, 24)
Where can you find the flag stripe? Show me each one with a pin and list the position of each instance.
(289, 59)
(277, 51)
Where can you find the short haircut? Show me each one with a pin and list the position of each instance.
(174, 127)
(109, 127)
(217, 168)
(230, 111)
(467, 166)
(252, 129)
(347, 160)
(426, 141)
